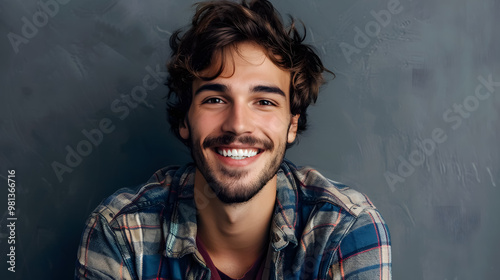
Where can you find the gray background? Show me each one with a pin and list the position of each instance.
(388, 95)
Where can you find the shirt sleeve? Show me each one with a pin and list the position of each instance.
(365, 251)
(99, 255)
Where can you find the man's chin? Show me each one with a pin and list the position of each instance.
(234, 173)
(231, 190)
(236, 198)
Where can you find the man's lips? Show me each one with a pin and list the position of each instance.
(230, 142)
(237, 157)
(237, 153)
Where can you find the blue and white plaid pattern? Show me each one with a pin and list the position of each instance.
(320, 230)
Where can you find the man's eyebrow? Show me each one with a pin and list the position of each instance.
(223, 88)
(211, 87)
(269, 89)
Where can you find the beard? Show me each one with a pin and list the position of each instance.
(233, 186)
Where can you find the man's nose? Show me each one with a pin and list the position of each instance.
(239, 119)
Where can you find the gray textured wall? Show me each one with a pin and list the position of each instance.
(411, 120)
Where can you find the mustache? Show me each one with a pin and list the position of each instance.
(227, 139)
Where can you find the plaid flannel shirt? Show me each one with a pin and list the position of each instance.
(320, 230)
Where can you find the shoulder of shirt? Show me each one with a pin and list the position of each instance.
(155, 191)
(315, 188)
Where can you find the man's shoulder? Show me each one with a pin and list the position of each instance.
(316, 188)
(155, 192)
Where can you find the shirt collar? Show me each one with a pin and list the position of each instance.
(180, 226)
(285, 213)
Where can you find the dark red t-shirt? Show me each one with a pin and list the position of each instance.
(255, 271)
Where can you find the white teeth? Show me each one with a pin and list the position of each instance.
(237, 153)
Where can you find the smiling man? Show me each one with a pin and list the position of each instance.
(241, 83)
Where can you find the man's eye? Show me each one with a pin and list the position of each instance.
(266, 103)
(213, 101)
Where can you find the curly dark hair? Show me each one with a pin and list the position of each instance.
(217, 25)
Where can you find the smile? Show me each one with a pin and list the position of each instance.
(237, 153)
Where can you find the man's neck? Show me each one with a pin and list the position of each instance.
(235, 235)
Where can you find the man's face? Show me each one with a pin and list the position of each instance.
(239, 123)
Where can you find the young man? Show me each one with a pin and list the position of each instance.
(242, 83)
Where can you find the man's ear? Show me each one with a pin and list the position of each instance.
(184, 129)
(292, 131)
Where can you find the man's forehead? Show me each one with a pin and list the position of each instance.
(241, 53)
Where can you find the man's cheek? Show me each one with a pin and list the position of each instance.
(276, 124)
